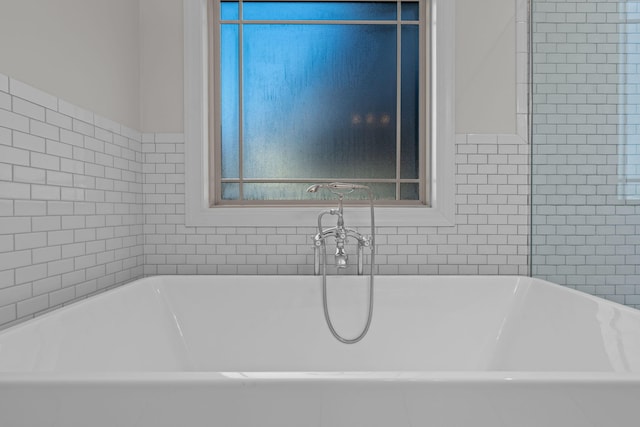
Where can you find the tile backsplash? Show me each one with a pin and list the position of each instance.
(585, 160)
(71, 214)
(490, 236)
(87, 204)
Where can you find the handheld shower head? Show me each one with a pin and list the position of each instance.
(345, 187)
(314, 188)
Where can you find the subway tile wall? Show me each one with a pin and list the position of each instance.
(585, 200)
(87, 204)
(490, 236)
(71, 218)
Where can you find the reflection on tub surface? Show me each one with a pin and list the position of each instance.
(202, 345)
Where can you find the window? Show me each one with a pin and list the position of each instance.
(316, 92)
(197, 126)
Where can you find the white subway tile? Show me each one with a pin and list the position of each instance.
(33, 305)
(7, 313)
(29, 208)
(26, 108)
(169, 138)
(60, 237)
(71, 193)
(6, 136)
(46, 223)
(61, 296)
(14, 190)
(29, 93)
(16, 293)
(46, 285)
(28, 142)
(107, 124)
(45, 192)
(83, 128)
(103, 135)
(44, 161)
(58, 149)
(71, 137)
(31, 273)
(44, 130)
(15, 121)
(6, 207)
(86, 288)
(60, 267)
(4, 83)
(6, 245)
(14, 260)
(59, 178)
(5, 101)
(14, 155)
(56, 119)
(28, 175)
(75, 112)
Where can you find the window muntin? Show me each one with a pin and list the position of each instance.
(318, 91)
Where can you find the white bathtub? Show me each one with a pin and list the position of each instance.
(255, 351)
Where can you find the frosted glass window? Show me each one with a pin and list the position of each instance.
(410, 11)
(230, 112)
(335, 97)
(260, 10)
(229, 10)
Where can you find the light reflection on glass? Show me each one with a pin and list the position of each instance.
(318, 100)
(302, 104)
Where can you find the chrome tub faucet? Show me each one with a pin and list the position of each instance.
(340, 233)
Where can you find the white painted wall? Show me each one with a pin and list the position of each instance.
(85, 51)
(161, 64)
(486, 66)
(124, 59)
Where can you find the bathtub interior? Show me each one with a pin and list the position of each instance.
(558, 329)
(280, 326)
(275, 324)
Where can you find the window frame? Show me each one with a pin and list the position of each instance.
(441, 155)
(215, 152)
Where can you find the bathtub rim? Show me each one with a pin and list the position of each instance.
(104, 293)
(240, 377)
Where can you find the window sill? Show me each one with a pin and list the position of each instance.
(198, 213)
(307, 216)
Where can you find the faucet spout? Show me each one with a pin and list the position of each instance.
(341, 258)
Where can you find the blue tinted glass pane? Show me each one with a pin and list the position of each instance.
(320, 11)
(230, 191)
(229, 10)
(380, 191)
(409, 192)
(280, 191)
(297, 191)
(409, 137)
(319, 101)
(410, 11)
(230, 108)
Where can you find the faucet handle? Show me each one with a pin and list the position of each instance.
(366, 241)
